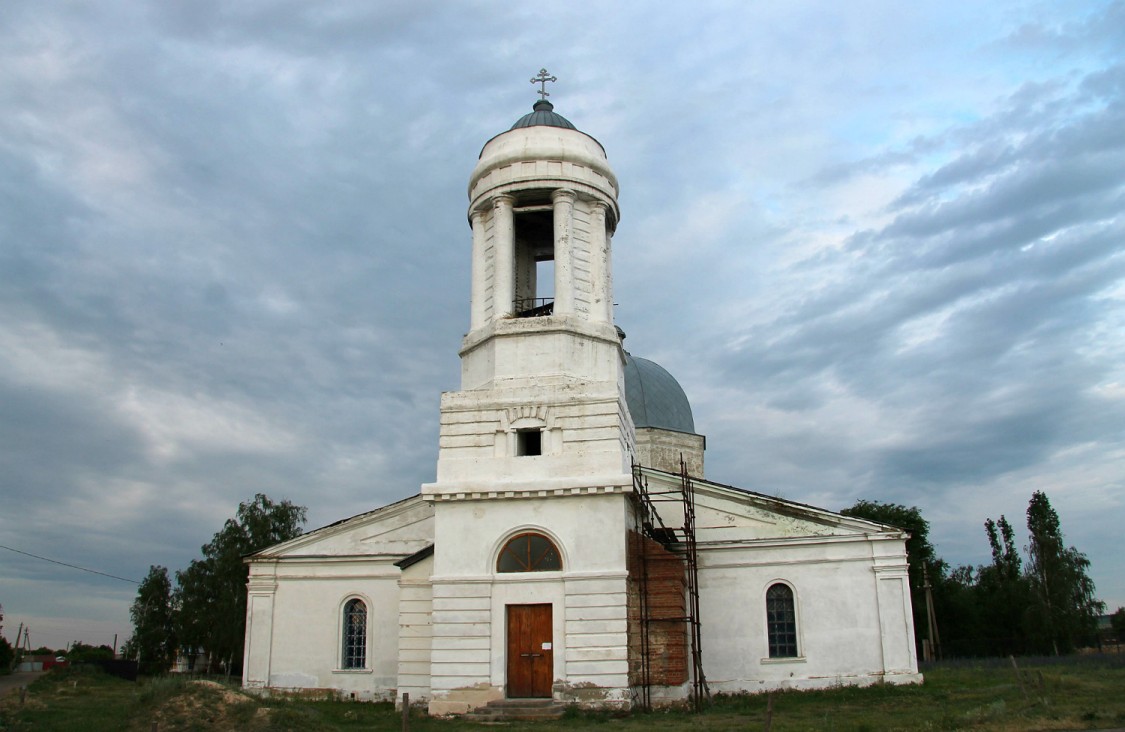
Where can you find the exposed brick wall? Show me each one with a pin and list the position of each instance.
(667, 630)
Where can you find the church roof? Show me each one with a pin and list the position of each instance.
(543, 114)
(654, 397)
(775, 506)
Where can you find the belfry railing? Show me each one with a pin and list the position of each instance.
(534, 307)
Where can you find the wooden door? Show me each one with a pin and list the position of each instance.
(531, 657)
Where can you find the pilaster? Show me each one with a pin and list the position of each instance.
(258, 653)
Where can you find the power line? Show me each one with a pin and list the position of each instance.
(72, 566)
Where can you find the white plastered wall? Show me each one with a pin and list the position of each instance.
(295, 629)
(852, 609)
(296, 596)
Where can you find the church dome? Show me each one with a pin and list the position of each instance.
(543, 114)
(654, 397)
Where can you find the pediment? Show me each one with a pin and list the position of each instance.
(397, 530)
(726, 513)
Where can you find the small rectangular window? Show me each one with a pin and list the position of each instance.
(529, 442)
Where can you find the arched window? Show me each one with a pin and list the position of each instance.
(781, 621)
(355, 635)
(529, 553)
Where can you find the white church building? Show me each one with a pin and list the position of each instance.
(570, 547)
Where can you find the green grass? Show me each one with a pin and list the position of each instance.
(1077, 693)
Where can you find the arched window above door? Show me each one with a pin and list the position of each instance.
(529, 552)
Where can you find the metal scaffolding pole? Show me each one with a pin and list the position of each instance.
(651, 526)
(699, 680)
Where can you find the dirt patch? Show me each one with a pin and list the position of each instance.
(208, 705)
(228, 695)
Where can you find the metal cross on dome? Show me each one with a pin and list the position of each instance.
(542, 80)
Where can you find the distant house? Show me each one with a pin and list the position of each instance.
(1106, 634)
(190, 662)
(41, 662)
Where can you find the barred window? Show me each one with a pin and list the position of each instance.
(781, 621)
(355, 635)
(529, 553)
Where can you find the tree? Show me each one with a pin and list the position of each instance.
(211, 592)
(1063, 611)
(957, 601)
(154, 639)
(1002, 593)
(82, 652)
(1117, 622)
(7, 653)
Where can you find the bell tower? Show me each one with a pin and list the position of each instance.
(541, 404)
(536, 445)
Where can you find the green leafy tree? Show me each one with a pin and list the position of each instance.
(957, 603)
(211, 592)
(1003, 593)
(81, 652)
(7, 655)
(7, 652)
(1117, 622)
(154, 638)
(1063, 612)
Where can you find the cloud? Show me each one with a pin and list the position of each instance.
(962, 344)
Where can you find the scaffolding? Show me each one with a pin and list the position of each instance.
(681, 541)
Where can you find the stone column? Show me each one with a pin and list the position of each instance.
(504, 253)
(476, 297)
(601, 309)
(564, 269)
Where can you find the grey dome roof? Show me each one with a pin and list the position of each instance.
(654, 397)
(543, 115)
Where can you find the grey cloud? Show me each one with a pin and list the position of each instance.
(51, 441)
(1010, 246)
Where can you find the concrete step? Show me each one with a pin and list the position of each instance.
(521, 703)
(522, 710)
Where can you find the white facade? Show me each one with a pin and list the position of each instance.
(513, 573)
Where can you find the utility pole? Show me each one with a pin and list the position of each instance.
(931, 618)
(16, 655)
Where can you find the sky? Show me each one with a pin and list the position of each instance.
(878, 243)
